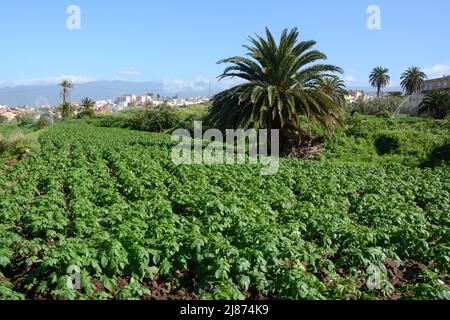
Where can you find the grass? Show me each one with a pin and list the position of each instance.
(16, 141)
(412, 142)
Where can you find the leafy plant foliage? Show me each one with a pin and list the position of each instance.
(111, 202)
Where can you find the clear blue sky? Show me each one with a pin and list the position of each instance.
(180, 41)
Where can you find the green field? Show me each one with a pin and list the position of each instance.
(111, 202)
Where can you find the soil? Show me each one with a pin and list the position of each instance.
(410, 273)
(306, 146)
(164, 291)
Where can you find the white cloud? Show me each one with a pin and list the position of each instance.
(45, 81)
(350, 79)
(438, 70)
(199, 84)
(129, 73)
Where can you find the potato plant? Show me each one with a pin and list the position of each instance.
(111, 202)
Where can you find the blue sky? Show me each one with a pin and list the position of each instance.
(179, 42)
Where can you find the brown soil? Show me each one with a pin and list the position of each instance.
(410, 273)
(163, 291)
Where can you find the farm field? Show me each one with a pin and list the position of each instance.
(111, 202)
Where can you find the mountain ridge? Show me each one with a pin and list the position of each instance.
(38, 95)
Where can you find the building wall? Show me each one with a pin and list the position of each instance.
(440, 83)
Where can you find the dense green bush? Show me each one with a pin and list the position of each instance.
(439, 156)
(436, 104)
(383, 107)
(386, 144)
(153, 120)
(86, 114)
(25, 119)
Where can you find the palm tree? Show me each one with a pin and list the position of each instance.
(67, 110)
(413, 80)
(280, 84)
(436, 103)
(66, 85)
(334, 87)
(87, 105)
(379, 78)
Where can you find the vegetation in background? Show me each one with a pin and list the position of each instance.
(379, 78)
(9, 140)
(413, 80)
(17, 144)
(67, 111)
(384, 107)
(155, 120)
(66, 86)
(396, 94)
(436, 103)
(20, 139)
(408, 141)
(87, 108)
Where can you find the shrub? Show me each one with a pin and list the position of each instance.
(113, 122)
(25, 119)
(45, 120)
(383, 107)
(386, 144)
(436, 104)
(439, 156)
(89, 113)
(8, 141)
(155, 120)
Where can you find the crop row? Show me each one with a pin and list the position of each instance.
(112, 203)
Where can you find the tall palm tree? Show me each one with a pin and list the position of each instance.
(379, 78)
(413, 80)
(88, 105)
(280, 83)
(66, 85)
(436, 103)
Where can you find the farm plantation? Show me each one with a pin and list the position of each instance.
(111, 202)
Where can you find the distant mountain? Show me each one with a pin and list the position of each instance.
(103, 90)
(97, 90)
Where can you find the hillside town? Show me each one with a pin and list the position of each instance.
(10, 113)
